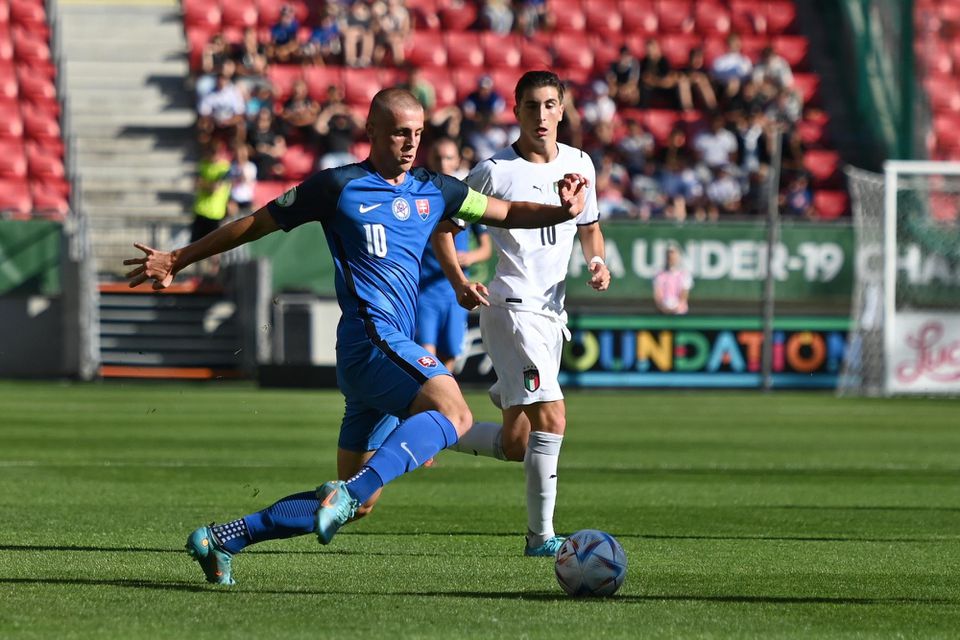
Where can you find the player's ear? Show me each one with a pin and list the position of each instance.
(516, 112)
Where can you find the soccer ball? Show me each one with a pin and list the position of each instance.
(591, 563)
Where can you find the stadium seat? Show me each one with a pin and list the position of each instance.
(267, 190)
(299, 161)
(239, 14)
(808, 84)
(781, 16)
(943, 94)
(752, 46)
(15, 198)
(464, 50)
(465, 80)
(504, 82)
(748, 16)
(360, 149)
(360, 85)
(823, 166)
(48, 203)
(458, 18)
(9, 87)
(500, 52)
(31, 16)
(282, 77)
(59, 186)
(319, 79)
(196, 40)
(6, 47)
(813, 133)
(36, 87)
(42, 165)
(793, 49)
(604, 53)
(29, 48)
(40, 126)
(675, 16)
(568, 15)
(570, 52)
(603, 18)
(711, 18)
(676, 48)
(831, 204)
(534, 55)
(659, 122)
(13, 160)
(443, 85)
(427, 49)
(202, 15)
(639, 17)
(11, 124)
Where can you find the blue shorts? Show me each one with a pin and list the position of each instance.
(379, 379)
(441, 321)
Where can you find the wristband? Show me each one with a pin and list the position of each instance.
(597, 260)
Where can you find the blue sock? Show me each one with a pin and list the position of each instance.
(416, 440)
(291, 516)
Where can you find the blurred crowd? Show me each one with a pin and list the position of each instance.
(711, 160)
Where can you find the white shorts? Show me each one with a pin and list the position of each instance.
(525, 348)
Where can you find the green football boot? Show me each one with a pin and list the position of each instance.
(337, 507)
(212, 558)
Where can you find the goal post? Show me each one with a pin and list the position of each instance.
(905, 329)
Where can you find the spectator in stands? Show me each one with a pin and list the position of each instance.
(338, 128)
(723, 193)
(392, 32)
(533, 16)
(358, 38)
(601, 140)
(570, 129)
(658, 82)
(497, 16)
(648, 193)
(681, 188)
(671, 287)
(484, 138)
(483, 104)
(613, 182)
(250, 56)
(717, 146)
(749, 99)
(750, 130)
(636, 147)
(697, 78)
(731, 69)
(284, 46)
(243, 181)
(797, 200)
(772, 69)
(599, 107)
(222, 112)
(623, 78)
(299, 115)
(786, 108)
(421, 88)
(324, 45)
(212, 58)
(261, 98)
(268, 146)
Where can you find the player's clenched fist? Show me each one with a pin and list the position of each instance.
(573, 192)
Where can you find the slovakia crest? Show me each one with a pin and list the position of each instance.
(427, 361)
(531, 379)
(401, 209)
(423, 208)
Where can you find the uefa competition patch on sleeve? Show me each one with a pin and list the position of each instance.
(288, 198)
(473, 207)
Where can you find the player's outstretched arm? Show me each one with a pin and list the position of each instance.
(163, 266)
(469, 294)
(530, 215)
(591, 242)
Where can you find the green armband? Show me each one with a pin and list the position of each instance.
(473, 207)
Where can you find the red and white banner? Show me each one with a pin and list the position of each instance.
(925, 357)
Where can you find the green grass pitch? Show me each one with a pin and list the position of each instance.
(743, 516)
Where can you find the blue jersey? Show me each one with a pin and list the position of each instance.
(431, 274)
(376, 232)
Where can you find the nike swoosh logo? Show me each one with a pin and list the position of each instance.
(403, 445)
(364, 209)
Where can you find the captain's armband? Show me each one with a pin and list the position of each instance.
(473, 207)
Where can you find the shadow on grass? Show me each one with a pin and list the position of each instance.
(531, 596)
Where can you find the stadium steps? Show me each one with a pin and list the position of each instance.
(132, 117)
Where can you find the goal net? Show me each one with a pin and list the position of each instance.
(905, 331)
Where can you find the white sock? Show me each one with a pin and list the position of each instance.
(483, 439)
(540, 466)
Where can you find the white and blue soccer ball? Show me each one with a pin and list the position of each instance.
(591, 563)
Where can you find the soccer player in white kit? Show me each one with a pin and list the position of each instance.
(522, 317)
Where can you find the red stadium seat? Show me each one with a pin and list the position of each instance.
(360, 85)
(267, 190)
(604, 53)
(36, 88)
(31, 16)
(570, 52)
(11, 123)
(711, 18)
(43, 165)
(675, 16)
(464, 50)
(793, 49)
(4, 13)
(603, 18)
(427, 49)
(458, 18)
(504, 82)
(299, 161)
(239, 14)
(568, 16)
(13, 160)
(813, 133)
(781, 16)
(48, 203)
(465, 80)
(753, 45)
(748, 16)
(58, 186)
(443, 85)
(6, 47)
(943, 93)
(639, 17)
(823, 166)
(360, 149)
(319, 80)
(29, 48)
(15, 197)
(535, 56)
(40, 126)
(9, 87)
(808, 84)
(831, 204)
(500, 52)
(282, 77)
(202, 15)
(660, 122)
(676, 48)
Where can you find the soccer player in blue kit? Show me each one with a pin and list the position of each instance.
(402, 405)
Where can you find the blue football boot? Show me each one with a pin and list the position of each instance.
(547, 550)
(212, 558)
(337, 507)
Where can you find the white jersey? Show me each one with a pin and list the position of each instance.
(532, 263)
